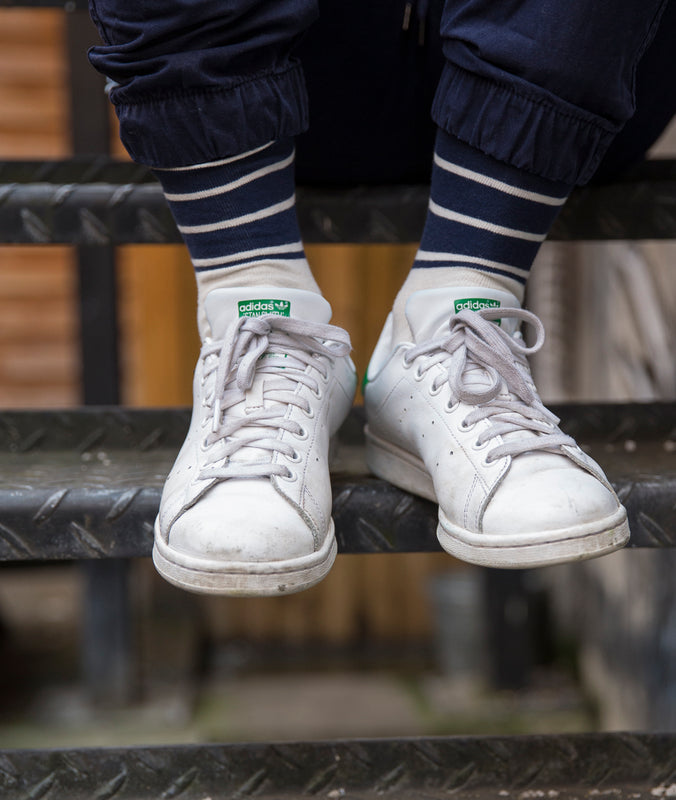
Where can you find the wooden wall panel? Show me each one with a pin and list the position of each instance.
(158, 325)
(33, 85)
(38, 346)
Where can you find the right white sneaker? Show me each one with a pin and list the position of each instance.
(454, 416)
(246, 509)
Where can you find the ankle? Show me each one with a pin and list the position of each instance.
(420, 279)
(294, 274)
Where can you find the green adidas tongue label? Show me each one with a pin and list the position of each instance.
(476, 304)
(258, 308)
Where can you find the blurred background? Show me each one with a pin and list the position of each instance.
(386, 645)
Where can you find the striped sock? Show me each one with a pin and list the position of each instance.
(485, 222)
(238, 219)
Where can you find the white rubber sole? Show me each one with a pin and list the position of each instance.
(511, 551)
(506, 551)
(243, 579)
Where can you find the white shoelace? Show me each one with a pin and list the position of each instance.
(274, 353)
(486, 367)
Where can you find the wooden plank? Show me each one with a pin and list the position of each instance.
(38, 357)
(160, 342)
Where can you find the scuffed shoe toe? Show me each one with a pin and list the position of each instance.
(240, 524)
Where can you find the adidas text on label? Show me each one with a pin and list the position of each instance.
(258, 308)
(475, 304)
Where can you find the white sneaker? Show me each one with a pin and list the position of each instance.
(246, 509)
(454, 417)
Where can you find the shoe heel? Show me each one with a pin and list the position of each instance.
(392, 464)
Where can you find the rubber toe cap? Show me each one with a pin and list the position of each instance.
(543, 492)
(242, 521)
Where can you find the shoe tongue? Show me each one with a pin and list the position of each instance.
(429, 310)
(222, 306)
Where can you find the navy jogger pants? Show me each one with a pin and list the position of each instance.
(542, 84)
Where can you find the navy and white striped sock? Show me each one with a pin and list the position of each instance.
(238, 218)
(238, 209)
(485, 216)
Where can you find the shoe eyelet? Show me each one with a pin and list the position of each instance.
(290, 477)
(302, 434)
(405, 362)
(466, 427)
(295, 458)
(435, 391)
(309, 414)
(418, 375)
(451, 405)
(479, 447)
(318, 394)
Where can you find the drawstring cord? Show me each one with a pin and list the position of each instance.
(422, 8)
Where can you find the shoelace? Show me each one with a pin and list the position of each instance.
(486, 367)
(242, 444)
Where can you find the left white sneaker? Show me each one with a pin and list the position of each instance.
(454, 416)
(246, 508)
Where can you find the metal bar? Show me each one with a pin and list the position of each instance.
(106, 641)
(107, 654)
(89, 107)
(507, 614)
(79, 169)
(87, 484)
(99, 356)
(643, 205)
(90, 134)
(615, 427)
(99, 168)
(371, 516)
(564, 766)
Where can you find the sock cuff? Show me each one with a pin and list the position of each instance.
(237, 209)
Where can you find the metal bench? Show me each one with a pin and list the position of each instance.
(86, 483)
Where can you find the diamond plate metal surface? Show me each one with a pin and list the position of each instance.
(83, 484)
(101, 202)
(593, 765)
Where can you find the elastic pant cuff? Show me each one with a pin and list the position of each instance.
(538, 133)
(180, 129)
